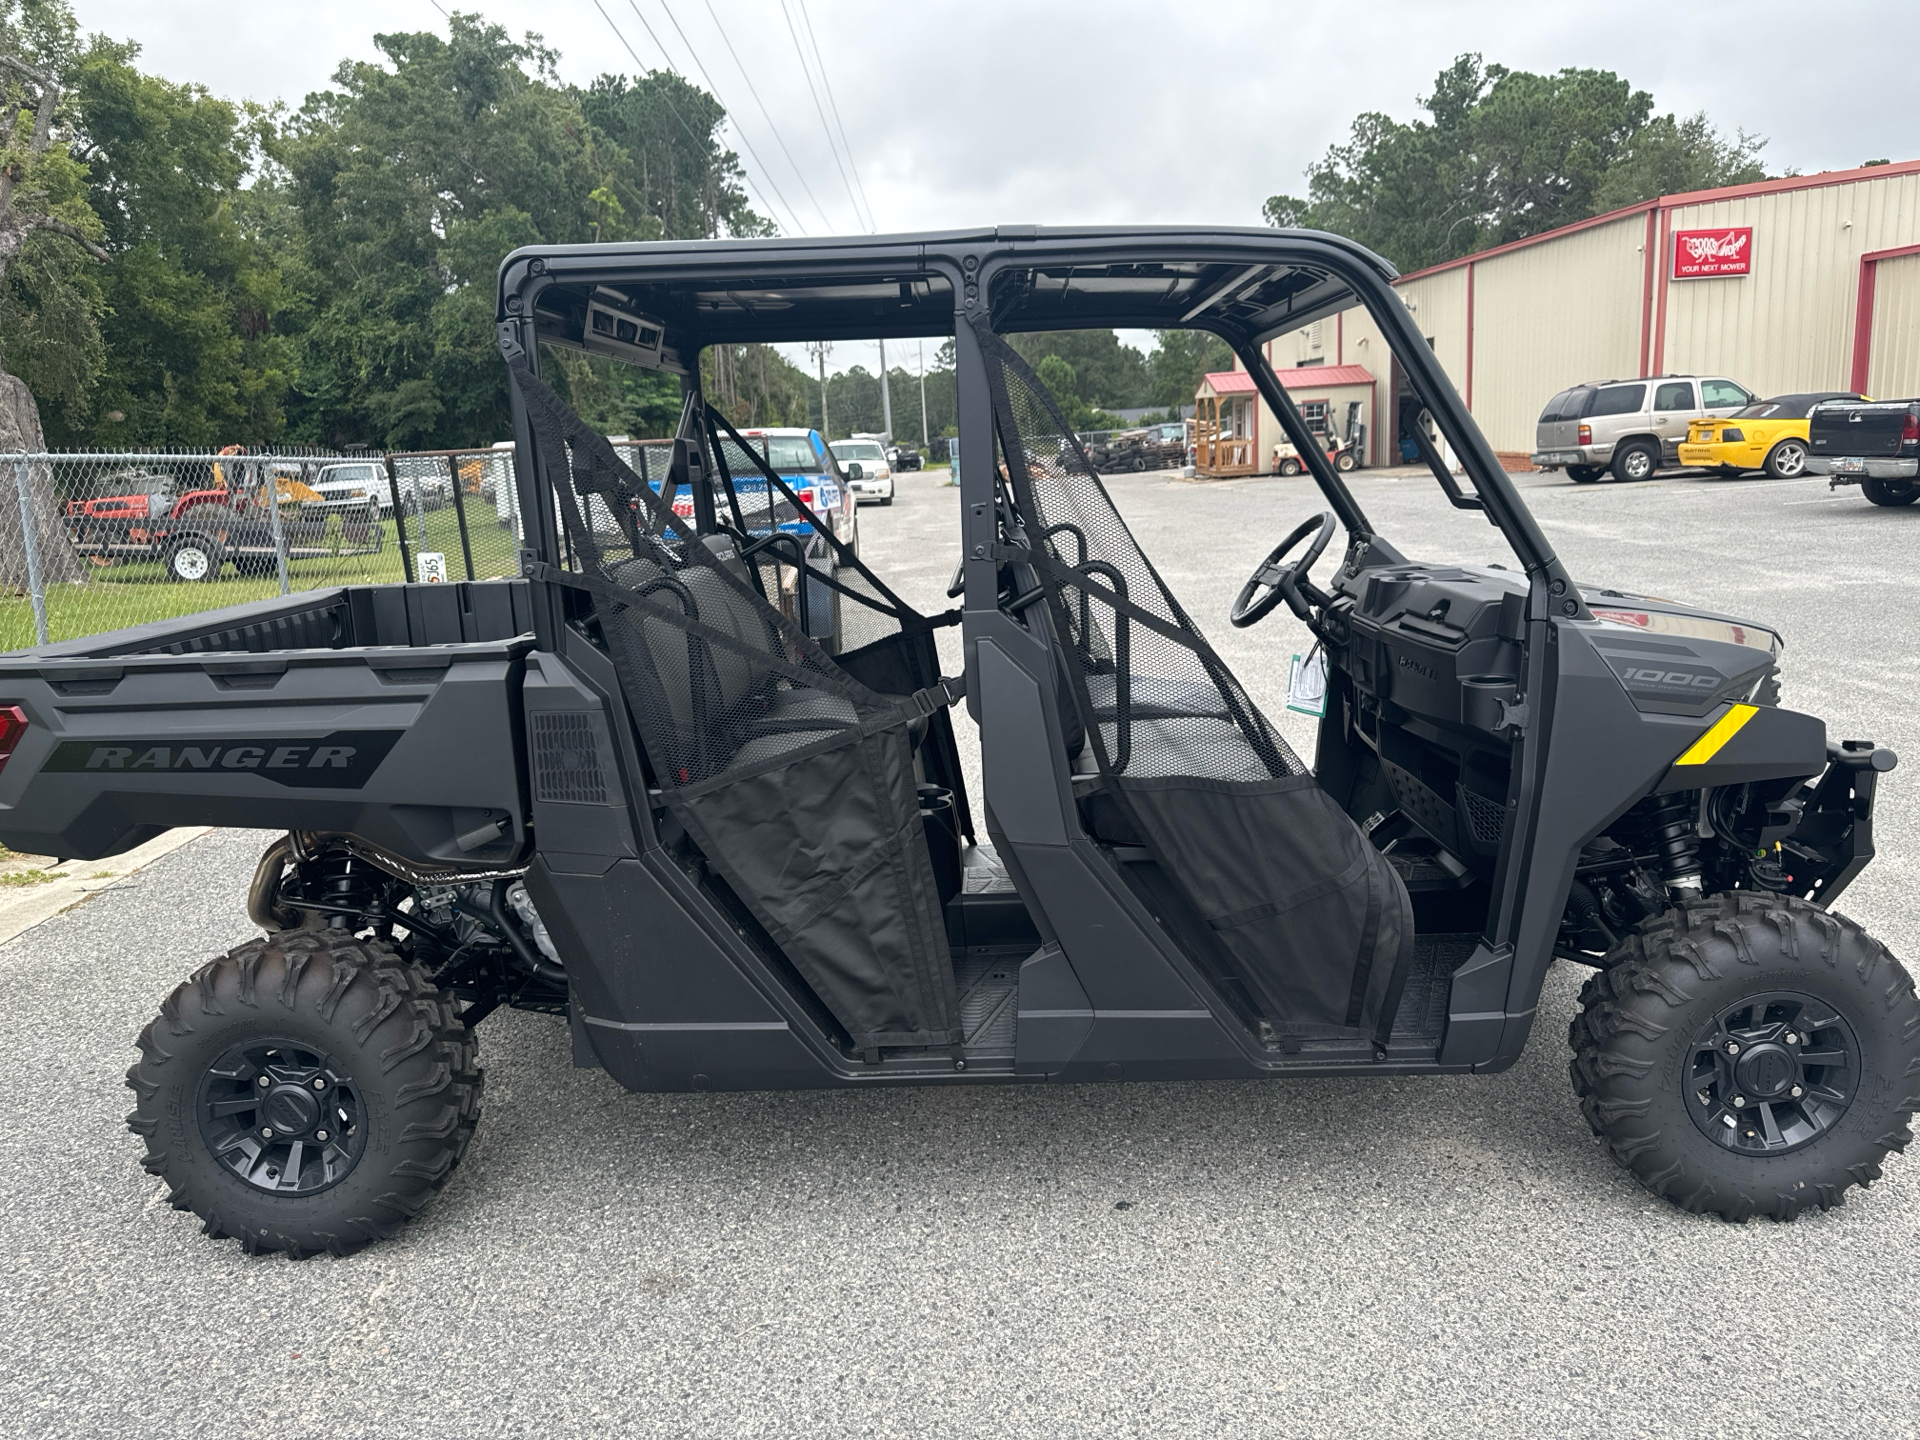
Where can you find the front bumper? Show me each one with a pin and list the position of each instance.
(1872, 468)
(878, 489)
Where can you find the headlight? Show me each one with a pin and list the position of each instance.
(883, 473)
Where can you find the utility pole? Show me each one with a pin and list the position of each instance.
(820, 349)
(925, 443)
(886, 396)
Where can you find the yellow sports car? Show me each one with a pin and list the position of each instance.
(1768, 435)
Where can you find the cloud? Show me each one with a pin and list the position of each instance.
(972, 112)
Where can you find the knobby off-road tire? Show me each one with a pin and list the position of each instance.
(1741, 970)
(359, 1061)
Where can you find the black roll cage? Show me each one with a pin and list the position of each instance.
(722, 292)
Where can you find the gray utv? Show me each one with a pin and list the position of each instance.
(640, 789)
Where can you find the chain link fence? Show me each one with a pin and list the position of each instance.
(97, 542)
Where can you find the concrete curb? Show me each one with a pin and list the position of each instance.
(22, 910)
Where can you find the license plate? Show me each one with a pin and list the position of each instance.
(1849, 465)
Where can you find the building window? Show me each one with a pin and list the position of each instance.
(1314, 412)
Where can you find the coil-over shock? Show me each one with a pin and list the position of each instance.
(1679, 838)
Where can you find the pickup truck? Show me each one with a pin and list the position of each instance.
(1872, 444)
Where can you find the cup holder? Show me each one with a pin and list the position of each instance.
(1485, 699)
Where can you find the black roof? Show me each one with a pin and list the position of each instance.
(1255, 282)
(1797, 406)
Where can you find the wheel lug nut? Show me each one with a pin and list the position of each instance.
(319, 1134)
(319, 1082)
(1739, 1102)
(1733, 1047)
(1797, 1092)
(266, 1132)
(1791, 1038)
(263, 1082)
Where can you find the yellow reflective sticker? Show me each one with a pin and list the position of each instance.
(1724, 729)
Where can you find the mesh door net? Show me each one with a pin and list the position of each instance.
(1298, 905)
(794, 779)
(874, 635)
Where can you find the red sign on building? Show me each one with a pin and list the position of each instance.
(1700, 254)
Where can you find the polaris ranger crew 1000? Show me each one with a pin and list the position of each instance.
(631, 787)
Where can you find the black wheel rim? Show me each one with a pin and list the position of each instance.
(282, 1116)
(1772, 1073)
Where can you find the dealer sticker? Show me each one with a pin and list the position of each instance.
(1307, 684)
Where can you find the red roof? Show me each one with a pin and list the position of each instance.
(1230, 382)
(1302, 377)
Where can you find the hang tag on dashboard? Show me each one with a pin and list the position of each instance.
(1307, 684)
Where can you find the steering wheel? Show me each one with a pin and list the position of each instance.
(1282, 579)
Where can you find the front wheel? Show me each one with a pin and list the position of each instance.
(1891, 492)
(1289, 467)
(305, 1092)
(1749, 1055)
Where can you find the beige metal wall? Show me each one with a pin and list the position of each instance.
(1893, 371)
(1439, 306)
(1439, 312)
(1553, 315)
(1789, 325)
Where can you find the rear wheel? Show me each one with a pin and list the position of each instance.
(1345, 462)
(1636, 460)
(1748, 1055)
(1289, 467)
(1787, 459)
(1585, 474)
(1891, 492)
(305, 1092)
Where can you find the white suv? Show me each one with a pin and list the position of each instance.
(1631, 427)
(876, 475)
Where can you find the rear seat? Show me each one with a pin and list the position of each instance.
(745, 707)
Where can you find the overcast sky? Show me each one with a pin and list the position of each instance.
(969, 112)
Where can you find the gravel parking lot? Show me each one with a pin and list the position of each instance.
(1295, 1258)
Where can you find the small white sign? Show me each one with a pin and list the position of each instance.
(1307, 684)
(433, 567)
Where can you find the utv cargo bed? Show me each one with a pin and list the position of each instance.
(276, 714)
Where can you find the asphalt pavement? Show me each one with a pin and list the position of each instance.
(1293, 1258)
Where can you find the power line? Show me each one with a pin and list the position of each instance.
(754, 91)
(739, 129)
(641, 66)
(800, 51)
(827, 81)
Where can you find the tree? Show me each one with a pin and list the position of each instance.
(1180, 359)
(410, 180)
(1505, 154)
(45, 224)
(657, 136)
(189, 356)
(1106, 373)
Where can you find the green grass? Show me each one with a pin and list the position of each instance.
(20, 879)
(128, 593)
